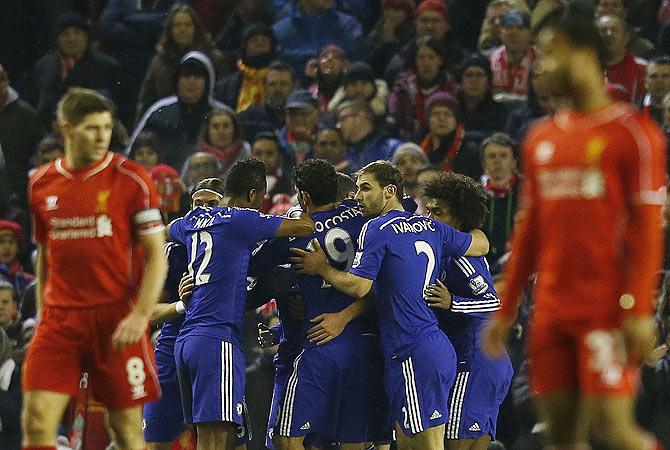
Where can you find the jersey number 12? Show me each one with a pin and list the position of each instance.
(201, 237)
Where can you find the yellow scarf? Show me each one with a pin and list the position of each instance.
(252, 90)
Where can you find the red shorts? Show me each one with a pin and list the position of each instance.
(583, 355)
(70, 341)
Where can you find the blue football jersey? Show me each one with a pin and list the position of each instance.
(473, 300)
(402, 253)
(219, 243)
(177, 264)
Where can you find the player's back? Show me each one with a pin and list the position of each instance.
(219, 243)
(583, 173)
(177, 257)
(89, 219)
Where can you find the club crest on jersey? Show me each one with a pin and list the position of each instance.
(594, 149)
(478, 285)
(101, 201)
(51, 202)
(544, 151)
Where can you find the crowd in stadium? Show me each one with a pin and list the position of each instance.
(431, 86)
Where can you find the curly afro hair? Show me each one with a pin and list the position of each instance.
(466, 199)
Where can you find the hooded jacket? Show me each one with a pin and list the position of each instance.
(176, 122)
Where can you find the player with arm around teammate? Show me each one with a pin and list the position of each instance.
(463, 299)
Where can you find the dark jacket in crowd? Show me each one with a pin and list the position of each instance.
(489, 116)
(259, 118)
(520, 118)
(500, 219)
(10, 397)
(377, 145)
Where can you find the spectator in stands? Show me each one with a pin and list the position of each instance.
(10, 396)
(178, 119)
(480, 112)
(297, 137)
(310, 26)
(425, 75)
(538, 104)
(19, 331)
(171, 191)
(148, 150)
(197, 167)
(359, 82)
(48, 150)
(183, 32)
(266, 149)
(489, 35)
(245, 88)
(637, 44)
(20, 131)
(657, 84)
(74, 62)
(498, 156)
(10, 268)
(330, 146)
(329, 74)
(410, 159)
(511, 62)
(222, 137)
(366, 141)
(244, 14)
(431, 20)
(279, 83)
(622, 67)
(392, 31)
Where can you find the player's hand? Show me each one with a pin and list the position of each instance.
(309, 263)
(437, 296)
(494, 339)
(265, 337)
(640, 336)
(186, 288)
(328, 327)
(130, 330)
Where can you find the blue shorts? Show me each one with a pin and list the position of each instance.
(212, 377)
(282, 374)
(480, 388)
(163, 419)
(418, 384)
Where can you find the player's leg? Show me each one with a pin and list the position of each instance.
(480, 443)
(127, 426)
(216, 435)
(430, 439)
(288, 443)
(41, 416)
(559, 411)
(384, 446)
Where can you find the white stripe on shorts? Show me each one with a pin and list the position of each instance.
(456, 408)
(413, 409)
(287, 408)
(227, 398)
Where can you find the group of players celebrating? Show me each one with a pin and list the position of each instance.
(394, 306)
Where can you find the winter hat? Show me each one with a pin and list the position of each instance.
(71, 19)
(479, 60)
(443, 99)
(409, 148)
(433, 5)
(14, 227)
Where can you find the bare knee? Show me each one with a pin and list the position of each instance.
(288, 443)
(40, 416)
(127, 430)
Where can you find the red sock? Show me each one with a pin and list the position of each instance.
(39, 447)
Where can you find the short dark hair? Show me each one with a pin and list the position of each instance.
(266, 136)
(244, 176)
(358, 105)
(386, 174)
(499, 138)
(466, 199)
(78, 102)
(581, 33)
(281, 66)
(318, 178)
(148, 138)
(212, 184)
(345, 185)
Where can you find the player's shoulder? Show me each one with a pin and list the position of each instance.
(43, 174)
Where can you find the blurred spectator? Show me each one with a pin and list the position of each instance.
(637, 44)
(330, 146)
(4, 188)
(489, 36)
(10, 268)
(74, 62)
(170, 189)
(312, 25)
(431, 20)
(128, 31)
(498, 156)
(244, 14)
(197, 167)
(20, 131)
(392, 31)
(19, 331)
(480, 111)
(182, 33)
(657, 84)
(10, 396)
(538, 104)
(245, 87)
(178, 119)
(425, 75)
(622, 66)
(511, 62)
(222, 137)
(366, 141)
(296, 138)
(266, 149)
(329, 74)
(48, 150)
(410, 159)
(148, 149)
(359, 82)
(269, 116)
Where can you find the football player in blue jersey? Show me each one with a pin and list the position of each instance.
(208, 351)
(400, 253)
(463, 299)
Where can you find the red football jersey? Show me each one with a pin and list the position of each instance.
(89, 220)
(586, 176)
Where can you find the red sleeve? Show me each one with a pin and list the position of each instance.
(524, 242)
(143, 201)
(643, 171)
(39, 227)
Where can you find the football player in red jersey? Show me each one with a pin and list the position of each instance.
(90, 210)
(590, 227)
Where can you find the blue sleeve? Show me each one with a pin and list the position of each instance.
(372, 249)
(479, 297)
(252, 226)
(270, 254)
(177, 265)
(177, 232)
(455, 243)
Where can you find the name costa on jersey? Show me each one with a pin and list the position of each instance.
(336, 220)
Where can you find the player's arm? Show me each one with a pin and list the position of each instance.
(330, 325)
(438, 296)
(297, 227)
(479, 246)
(40, 277)
(165, 312)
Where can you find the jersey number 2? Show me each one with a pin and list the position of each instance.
(425, 248)
(201, 237)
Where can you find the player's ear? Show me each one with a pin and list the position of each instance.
(251, 195)
(390, 190)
